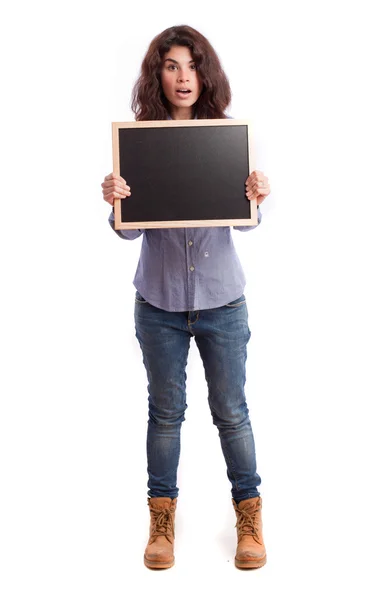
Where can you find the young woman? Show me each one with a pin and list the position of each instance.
(190, 283)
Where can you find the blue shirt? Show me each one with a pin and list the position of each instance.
(184, 269)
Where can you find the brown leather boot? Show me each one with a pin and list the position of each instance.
(250, 552)
(159, 551)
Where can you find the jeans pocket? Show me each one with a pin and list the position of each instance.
(238, 302)
(139, 299)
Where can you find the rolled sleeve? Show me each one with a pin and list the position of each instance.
(125, 234)
(250, 227)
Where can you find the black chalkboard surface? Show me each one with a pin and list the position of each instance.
(183, 173)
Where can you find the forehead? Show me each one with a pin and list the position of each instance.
(179, 53)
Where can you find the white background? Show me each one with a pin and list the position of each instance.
(74, 519)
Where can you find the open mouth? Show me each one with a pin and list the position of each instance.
(183, 92)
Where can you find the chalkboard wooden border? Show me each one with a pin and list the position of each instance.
(119, 224)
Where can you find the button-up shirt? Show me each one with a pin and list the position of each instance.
(187, 269)
(183, 269)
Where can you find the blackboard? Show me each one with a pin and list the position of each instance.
(183, 173)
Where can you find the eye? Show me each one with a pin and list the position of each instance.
(172, 67)
(193, 67)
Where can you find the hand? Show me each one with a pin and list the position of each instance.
(114, 186)
(257, 187)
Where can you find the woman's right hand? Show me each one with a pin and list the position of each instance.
(114, 186)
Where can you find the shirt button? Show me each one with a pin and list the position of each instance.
(192, 268)
(190, 243)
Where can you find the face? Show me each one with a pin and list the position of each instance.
(180, 81)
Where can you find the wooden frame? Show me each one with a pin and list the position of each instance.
(121, 223)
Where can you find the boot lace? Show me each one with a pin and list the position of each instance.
(163, 522)
(246, 522)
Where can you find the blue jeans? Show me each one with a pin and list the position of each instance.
(221, 335)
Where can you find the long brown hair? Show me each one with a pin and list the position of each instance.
(148, 100)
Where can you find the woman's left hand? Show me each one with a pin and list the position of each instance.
(257, 187)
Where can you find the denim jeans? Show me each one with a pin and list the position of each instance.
(221, 335)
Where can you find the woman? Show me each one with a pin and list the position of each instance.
(196, 290)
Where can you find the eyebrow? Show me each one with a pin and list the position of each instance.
(175, 61)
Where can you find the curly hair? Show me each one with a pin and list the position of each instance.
(148, 101)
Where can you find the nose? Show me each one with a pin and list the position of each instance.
(182, 78)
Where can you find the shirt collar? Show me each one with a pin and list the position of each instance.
(169, 118)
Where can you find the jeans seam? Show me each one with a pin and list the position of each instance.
(193, 322)
(232, 467)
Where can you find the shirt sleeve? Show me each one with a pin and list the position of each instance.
(249, 227)
(125, 234)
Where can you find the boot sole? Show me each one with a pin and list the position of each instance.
(250, 564)
(152, 564)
